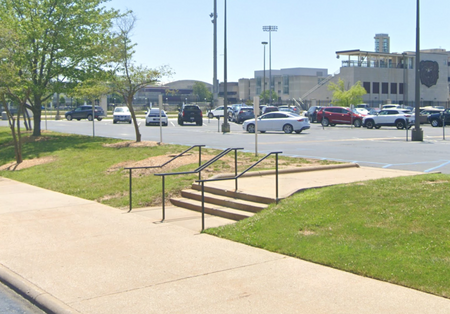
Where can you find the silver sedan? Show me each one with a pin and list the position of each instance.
(278, 121)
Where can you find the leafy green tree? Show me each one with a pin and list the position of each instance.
(201, 91)
(265, 97)
(345, 98)
(63, 40)
(128, 78)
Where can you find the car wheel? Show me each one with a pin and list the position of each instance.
(180, 122)
(129, 122)
(114, 121)
(370, 124)
(146, 123)
(89, 117)
(99, 119)
(78, 119)
(377, 127)
(251, 128)
(434, 122)
(200, 123)
(332, 124)
(400, 124)
(210, 115)
(69, 117)
(298, 131)
(357, 123)
(325, 122)
(262, 131)
(287, 128)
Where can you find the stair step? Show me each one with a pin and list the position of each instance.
(224, 201)
(235, 195)
(212, 209)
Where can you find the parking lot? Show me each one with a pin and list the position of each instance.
(384, 148)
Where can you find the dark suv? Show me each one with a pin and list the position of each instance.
(85, 112)
(436, 119)
(338, 115)
(190, 113)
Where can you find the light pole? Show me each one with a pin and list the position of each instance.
(215, 83)
(264, 75)
(225, 125)
(417, 132)
(270, 29)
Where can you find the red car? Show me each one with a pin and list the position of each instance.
(338, 115)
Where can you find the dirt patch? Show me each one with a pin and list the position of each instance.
(12, 166)
(133, 144)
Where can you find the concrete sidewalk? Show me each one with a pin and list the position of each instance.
(76, 256)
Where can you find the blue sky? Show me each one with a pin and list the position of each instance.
(179, 33)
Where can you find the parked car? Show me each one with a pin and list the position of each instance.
(289, 109)
(338, 115)
(390, 106)
(425, 112)
(436, 119)
(267, 109)
(191, 114)
(217, 112)
(121, 114)
(361, 111)
(400, 118)
(311, 114)
(233, 110)
(85, 112)
(278, 121)
(152, 117)
(244, 113)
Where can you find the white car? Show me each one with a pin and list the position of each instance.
(121, 114)
(217, 112)
(399, 118)
(278, 121)
(153, 115)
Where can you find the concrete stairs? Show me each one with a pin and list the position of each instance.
(223, 203)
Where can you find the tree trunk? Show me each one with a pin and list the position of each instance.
(133, 116)
(37, 117)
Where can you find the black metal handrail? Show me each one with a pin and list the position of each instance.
(198, 170)
(130, 192)
(236, 177)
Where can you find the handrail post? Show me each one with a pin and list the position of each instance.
(203, 205)
(276, 178)
(131, 192)
(163, 200)
(235, 171)
(199, 162)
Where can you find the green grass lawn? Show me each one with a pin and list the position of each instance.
(396, 230)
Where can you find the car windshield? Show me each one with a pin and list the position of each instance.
(121, 109)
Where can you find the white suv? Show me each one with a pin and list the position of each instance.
(399, 118)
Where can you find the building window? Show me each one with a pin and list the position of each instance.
(286, 84)
(393, 88)
(377, 45)
(385, 88)
(366, 85)
(400, 88)
(376, 87)
(258, 85)
(385, 45)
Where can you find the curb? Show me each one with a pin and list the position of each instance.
(35, 295)
(288, 170)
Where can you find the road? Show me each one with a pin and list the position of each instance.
(385, 148)
(12, 303)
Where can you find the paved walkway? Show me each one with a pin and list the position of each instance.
(76, 256)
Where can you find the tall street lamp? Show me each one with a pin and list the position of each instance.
(215, 82)
(270, 29)
(225, 125)
(264, 81)
(417, 132)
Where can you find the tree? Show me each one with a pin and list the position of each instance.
(64, 40)
(201, 91)
(128, 78)
(346, 98)
(265, 96)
